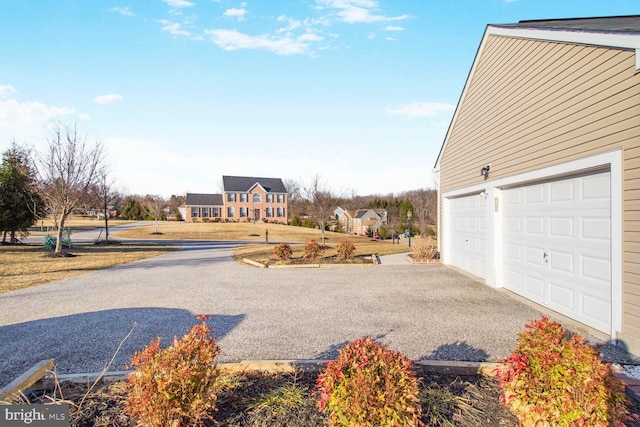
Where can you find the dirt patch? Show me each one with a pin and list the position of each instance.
(461, 401)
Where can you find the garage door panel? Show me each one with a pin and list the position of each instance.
(562, 229)
(561, 298)
(468, 235)
(534, 288)
(596, 268)
(562, 262)
(595, 228)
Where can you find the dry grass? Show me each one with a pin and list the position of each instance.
(25, 266)
(74, 223)
(256, 233)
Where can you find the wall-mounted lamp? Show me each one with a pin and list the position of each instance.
(483, 194)
(484, 172)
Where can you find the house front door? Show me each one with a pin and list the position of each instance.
(256, 214)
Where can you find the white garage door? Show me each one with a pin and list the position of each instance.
(558, 246)
(468, 233)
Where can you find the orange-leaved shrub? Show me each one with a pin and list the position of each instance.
(370, 385)
(346, 249)
(282, 251)
(175, 386)
(553, 379)
(312, 250)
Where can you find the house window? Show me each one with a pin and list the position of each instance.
(280, 198)
(216, 213)
(243, 197)
(243, 212)
(257, 198)
(195, 213)
(269, 212)
(230, 212)
(205, 212)
(280, 212)
(269, 198)
(231, 197)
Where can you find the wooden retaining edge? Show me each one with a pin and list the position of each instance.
(254, 263)
(421, 367)
(295, 266)
(423, 262)
(26, 380)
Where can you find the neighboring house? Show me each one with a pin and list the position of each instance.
(337, 212)
(244, 198)
(539, 172)
(199, 206)
(360, 221)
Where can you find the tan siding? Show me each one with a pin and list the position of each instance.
(534, 104)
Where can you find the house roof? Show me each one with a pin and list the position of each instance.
(245, 183)
(201, 199)
(609, 31)
(625, 24)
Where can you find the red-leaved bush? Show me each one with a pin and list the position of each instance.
(282, 251)
(553, 379)
(370, 385)
(175, 386)
(312, 250)
(346, 249)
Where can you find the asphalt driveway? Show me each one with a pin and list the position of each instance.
(427, 312)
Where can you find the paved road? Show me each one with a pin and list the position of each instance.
(427, 312)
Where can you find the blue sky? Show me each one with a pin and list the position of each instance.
(182, 92)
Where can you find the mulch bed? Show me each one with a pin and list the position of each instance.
(104, 406)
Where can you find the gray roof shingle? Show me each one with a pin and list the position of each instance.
(613, 24)
(244, 183)
(200, 199)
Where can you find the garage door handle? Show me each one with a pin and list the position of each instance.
(545, 257)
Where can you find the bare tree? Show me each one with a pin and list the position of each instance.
(109, 197)
(424, 207)
(155, 206)
(320, 203)
(295, 195)
(67, 169)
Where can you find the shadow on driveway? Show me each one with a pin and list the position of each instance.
(86, 342)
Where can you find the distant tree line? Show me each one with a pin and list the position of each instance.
(312, 204)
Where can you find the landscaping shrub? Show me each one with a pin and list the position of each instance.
(370, 385)
(346, 249)
(424, 248)
(312, 250)
(295, 221)
(282, 251)
(175, 386)
(553, 379)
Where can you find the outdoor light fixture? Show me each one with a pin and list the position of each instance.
(485, 171)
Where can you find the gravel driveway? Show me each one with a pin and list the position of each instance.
(427, 312)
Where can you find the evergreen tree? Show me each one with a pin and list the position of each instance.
(19, 200)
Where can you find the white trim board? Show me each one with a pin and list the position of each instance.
(493, 188)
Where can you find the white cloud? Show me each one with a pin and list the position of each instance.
(418, 110)
(179, 3)
(235, 13)
(7, 90)
(28, 120)
(107, 99)
(293, 24)
(371, 36)
(391, 39)
(122, 11)
(176, 30)
(358, 11)
(234, 40)
(393, 28)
